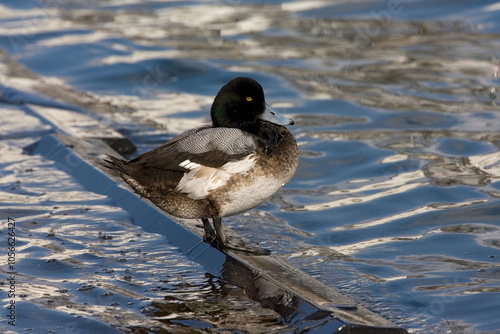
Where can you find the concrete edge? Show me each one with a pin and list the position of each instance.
(305, 304)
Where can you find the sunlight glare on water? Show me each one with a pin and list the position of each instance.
(396, 198)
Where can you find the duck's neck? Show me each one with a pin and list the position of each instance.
(268, 133)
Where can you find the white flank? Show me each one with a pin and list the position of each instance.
(250, 196)
(201, 180)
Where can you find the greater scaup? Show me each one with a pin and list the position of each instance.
(220, 169)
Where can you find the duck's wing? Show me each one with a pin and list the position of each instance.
(211, 147)
(198, 152)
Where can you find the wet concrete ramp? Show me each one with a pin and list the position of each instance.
(305, 304)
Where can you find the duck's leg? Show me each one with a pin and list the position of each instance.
(221, 236)
(224, 243)
(210, 234)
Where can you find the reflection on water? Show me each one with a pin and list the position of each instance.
(81, 264)
(395, 201)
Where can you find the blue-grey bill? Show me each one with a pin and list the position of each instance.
(273, 116)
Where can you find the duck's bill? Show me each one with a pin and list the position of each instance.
(273, 116)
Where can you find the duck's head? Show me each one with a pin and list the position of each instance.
(241, 103)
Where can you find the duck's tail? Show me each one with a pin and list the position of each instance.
(116, 164)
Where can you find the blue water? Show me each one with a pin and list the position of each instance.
(395, 201)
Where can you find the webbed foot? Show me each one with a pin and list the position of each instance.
(252, 250)
(218, 239)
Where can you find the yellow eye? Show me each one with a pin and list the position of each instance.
(249, 98)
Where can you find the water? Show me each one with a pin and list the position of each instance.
(395, 201)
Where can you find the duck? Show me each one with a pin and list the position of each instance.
(220, 169)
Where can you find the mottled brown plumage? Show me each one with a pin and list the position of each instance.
(221, 169)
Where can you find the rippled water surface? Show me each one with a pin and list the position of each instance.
(396, 198)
